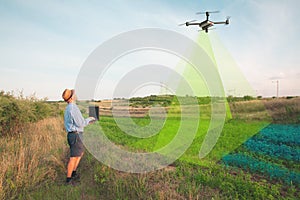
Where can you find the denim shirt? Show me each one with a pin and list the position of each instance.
(73, 119)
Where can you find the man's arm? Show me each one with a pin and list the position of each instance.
(79, 121)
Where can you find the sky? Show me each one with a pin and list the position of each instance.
(43, 44)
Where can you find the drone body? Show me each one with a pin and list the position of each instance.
(206, 24)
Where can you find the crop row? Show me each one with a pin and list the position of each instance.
(257, 166)
(272, 150)
(281, 134)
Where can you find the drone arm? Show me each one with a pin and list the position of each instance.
(197, 23)
(219, 22)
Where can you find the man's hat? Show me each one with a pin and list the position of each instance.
(67, 94)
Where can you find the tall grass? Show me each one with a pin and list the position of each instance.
(249, 110)
(33, 156)
(284, 110)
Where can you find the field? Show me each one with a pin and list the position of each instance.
(257, 155)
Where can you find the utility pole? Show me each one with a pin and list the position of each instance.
(277, 87)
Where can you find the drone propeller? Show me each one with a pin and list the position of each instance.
(187, 22)
(200, 13)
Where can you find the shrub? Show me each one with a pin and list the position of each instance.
(248, 98)
(17, 112)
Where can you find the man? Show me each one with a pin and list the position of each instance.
(74, 124)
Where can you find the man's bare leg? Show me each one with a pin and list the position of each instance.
(71, 166)
(77, 162)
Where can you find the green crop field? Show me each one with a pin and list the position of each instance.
(234, 133)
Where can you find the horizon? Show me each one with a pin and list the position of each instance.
(34, 96)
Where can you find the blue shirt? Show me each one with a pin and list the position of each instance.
(73, 119)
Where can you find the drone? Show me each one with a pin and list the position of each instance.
(206, 24)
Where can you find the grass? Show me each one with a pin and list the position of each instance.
(185, 181)
(234, 133)
(101, 182)
(32, 157)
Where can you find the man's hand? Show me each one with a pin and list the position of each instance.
(92, 120)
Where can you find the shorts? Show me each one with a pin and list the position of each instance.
(75, 143)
